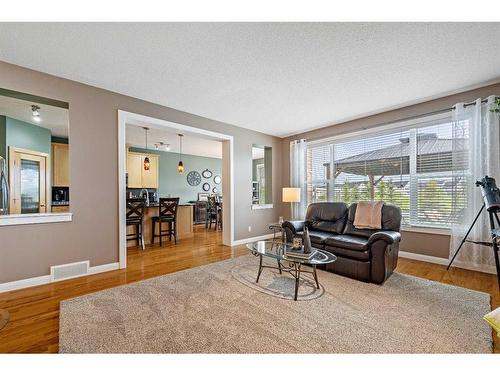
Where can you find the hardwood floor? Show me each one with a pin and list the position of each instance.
(34, 325)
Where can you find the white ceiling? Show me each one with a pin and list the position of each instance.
(277, 78)
(53, 118)
(191, 144)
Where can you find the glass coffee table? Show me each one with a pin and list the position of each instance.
(292, 265)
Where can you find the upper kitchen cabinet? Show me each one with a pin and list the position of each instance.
(134, 174)
(60, 164)
(138, 176)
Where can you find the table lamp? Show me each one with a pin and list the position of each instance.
(291, 195)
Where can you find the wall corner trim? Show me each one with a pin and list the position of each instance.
(46, 279)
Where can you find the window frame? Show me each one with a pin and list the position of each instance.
(410, 125)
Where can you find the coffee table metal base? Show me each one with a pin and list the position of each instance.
(294, 269)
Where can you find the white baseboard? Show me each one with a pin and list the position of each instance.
(253, 239)
(25, 283)
(103, 268)
(445, 261)
(40, 280)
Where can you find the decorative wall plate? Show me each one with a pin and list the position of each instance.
(206, 186)
(207, 173)
(214, 190)
(193, 178)
(217, 179)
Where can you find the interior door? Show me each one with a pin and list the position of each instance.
(28, 182)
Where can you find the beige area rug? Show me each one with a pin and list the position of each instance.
(217, 308)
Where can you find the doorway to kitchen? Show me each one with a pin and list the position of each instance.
(150, 151)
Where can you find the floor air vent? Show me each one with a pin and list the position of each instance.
(68, 271)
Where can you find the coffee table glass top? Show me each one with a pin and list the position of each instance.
(276, 250)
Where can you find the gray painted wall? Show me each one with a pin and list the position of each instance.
(175, 184)
(29, 250)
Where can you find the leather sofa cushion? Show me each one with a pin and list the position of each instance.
(342, 252)
(391, 220)
(318, 237)
(348, 242)
(327, 216)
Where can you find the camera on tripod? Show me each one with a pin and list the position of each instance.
(490, 192)
(491, 198)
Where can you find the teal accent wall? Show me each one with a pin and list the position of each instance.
(28, 136)
(175, 184)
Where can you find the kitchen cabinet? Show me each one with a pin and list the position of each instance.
(138, 177)
(60, 164)
(134, 165)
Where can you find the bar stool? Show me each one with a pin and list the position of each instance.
(135, 217)
(218, 202)
(212, 212)
(167, 213)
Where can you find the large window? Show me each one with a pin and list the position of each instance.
(411, 167)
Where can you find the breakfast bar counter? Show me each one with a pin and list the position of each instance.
(184, 224)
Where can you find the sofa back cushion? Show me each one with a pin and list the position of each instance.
(391, 220)
(327, 217)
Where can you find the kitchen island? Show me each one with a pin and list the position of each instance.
(184, 224)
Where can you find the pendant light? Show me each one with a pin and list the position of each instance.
(146, 159)
(180, 166)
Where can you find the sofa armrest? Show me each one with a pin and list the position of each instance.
(294, 226)
(291, 228)
(384, 250)
(387, 236)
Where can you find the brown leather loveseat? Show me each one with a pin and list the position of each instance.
(363, 254)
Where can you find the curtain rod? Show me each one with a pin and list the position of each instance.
(401, 120)
(473, 103)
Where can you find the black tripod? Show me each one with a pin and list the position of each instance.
(495, 237)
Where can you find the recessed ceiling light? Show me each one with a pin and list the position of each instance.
(35, 111)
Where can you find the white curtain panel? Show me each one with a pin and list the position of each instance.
(481, 127)
(298, 176)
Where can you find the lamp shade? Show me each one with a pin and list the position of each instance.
(291, 195)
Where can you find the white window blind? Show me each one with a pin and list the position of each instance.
(410, 167)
